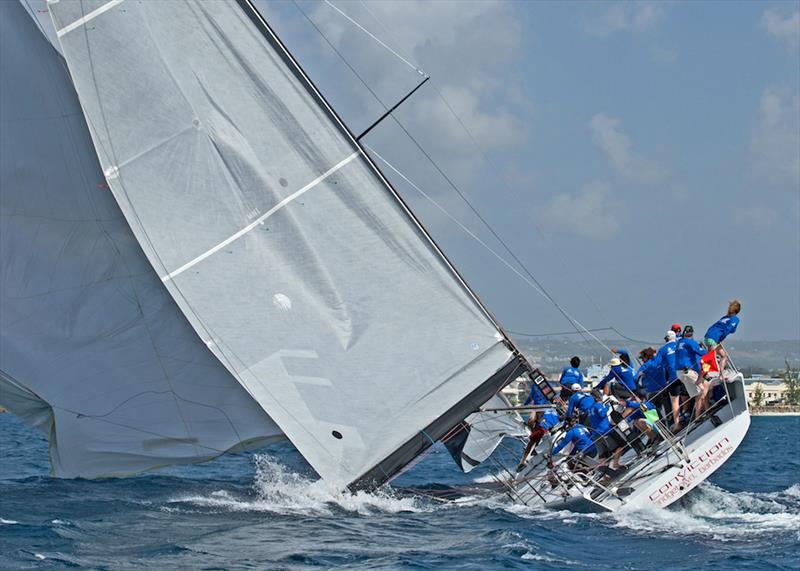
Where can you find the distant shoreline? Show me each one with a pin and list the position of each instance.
(775, 413)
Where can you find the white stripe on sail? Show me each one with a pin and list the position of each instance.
(90, 16)
(261, 218)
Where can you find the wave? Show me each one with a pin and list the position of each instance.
(707, 512)
(278, 490)
(721, 515)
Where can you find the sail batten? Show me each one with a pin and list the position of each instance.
(285, 248)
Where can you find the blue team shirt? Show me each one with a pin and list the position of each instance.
(578, 435)
(549, 420)
(687, 354)
(651, 376)
(598, 419)
(722, 328)
(535, 396)
(622, 373)
(580, 400)
(665, 360)
(571, 375)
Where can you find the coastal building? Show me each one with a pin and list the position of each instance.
(517, 391)
(773, 391)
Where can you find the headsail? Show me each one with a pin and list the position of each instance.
(287, 251)
(93, 350)
(482, 432)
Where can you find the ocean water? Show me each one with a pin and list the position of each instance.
(264, 511)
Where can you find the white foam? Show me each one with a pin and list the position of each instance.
(279, 490)
(8, 521)
(39, 556)
(719, 514)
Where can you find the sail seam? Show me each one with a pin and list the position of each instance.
(90, 16)
(261, 218)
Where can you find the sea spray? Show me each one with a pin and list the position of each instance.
(278, 489)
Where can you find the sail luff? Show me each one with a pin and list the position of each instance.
(269, 33)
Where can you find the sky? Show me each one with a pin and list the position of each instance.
(641, 159)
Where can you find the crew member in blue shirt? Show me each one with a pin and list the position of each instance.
(581, 440)
(579, 401)
(687, 362)
(716, 334)
(540, 423)
(569, 376)
(665, 360)
(535, 396)
(606, 438)
(653, 381)
(623, 383)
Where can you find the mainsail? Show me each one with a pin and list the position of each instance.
(288, 252)
(93, 350)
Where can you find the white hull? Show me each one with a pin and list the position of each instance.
(656, 481)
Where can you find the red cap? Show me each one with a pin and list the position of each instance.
(676, 327)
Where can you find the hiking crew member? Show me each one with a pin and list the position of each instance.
(582, 444)
(580, 402)
(653, 381)
(606, 438)
(540, 423)
(716, 334)
(623, 381)
(665, 359)
(687, 362)
(570, 376)
(535, 396)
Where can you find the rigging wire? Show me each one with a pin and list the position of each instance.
(374, 37)
(579, 327)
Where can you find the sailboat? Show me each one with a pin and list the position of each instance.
(199, 256)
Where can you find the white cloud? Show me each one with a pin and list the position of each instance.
(480, 36)
(775, 143)
(608, 134)
(624, 16)
(590, 212)
(784, 28)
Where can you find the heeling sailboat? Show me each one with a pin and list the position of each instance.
(284, 246)
(229, 166)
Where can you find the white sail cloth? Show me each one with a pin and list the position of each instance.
(93, 350)
(484, 431)
(286, 251)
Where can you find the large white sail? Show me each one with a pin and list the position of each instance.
(93, 350)
(286, 250)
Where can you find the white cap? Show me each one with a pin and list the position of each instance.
(575, 387)
(670, 336)
(615, 361)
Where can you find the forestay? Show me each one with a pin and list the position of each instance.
(283, 246)
(93, 350)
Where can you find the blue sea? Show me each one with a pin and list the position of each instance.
(265, 511)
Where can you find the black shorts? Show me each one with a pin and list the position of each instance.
(676, 389)
(620, 391)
